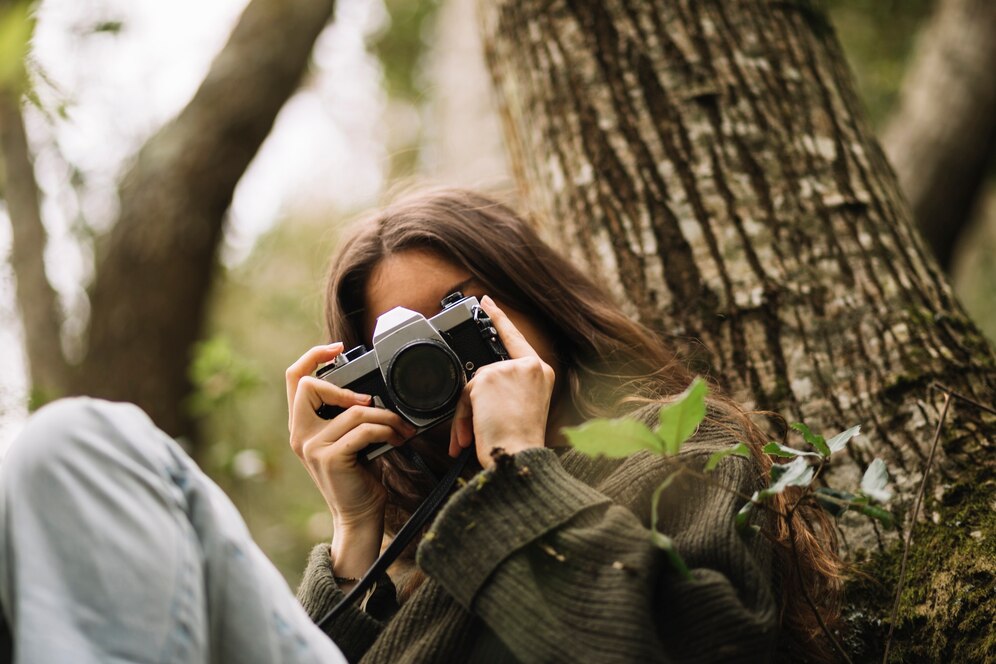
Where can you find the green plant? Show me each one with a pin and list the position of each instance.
(678, 421)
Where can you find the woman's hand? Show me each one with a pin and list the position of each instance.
(329, 448)
(506, 404)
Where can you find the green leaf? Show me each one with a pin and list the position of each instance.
(740, 521)
(834, 501)
(813, 439)
(613, 438)
(779, 450)
(666, 544)
(840, 441)
(796, 473)
(680, 418)
(876, 513)
(740, 449)
(16, 26)
(874, 481)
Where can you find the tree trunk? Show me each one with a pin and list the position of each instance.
(154, 270)
(36, 298)
(942, 137)
(710, 163)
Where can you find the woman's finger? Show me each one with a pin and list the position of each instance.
(328, 433)
(306, 365)
(355, 416)
(313, 392)
(462, 429)
(515, 343)
(355, 440)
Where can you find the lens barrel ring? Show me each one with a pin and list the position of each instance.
(424, 377)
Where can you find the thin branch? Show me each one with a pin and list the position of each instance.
(962, 397)
(36, 298)
(152, 284)
(878, 536)
(909, 533)
(750, 499)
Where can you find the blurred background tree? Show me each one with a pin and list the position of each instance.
(153, 268)
(437, 121)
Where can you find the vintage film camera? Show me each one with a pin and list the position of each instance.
(418, 366)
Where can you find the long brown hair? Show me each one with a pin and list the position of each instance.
(612, 364)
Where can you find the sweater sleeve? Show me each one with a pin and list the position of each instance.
(355, 630)
(559, 572)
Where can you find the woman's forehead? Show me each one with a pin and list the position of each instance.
(415, 279)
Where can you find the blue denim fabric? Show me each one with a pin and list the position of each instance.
(115, 547)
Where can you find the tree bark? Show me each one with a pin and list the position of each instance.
(36, 298)
(155, 267)
(942, 138)
(709, 162)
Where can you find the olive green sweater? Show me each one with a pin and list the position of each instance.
(548, 558)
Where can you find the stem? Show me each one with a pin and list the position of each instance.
(708, 480)
(878, 536)
(809, 600)
(809, 489)
(916, 511)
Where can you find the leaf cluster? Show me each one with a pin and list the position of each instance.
(677, 422)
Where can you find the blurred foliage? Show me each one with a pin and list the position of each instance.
(401, 48)
(264, 314)
(877, 37)
(220, 376)
(16, 26)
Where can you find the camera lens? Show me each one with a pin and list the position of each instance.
(425, 377)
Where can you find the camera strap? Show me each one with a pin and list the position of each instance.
(405, 535)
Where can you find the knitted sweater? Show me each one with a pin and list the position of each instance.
(548, 558)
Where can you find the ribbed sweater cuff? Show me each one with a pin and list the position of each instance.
(318, 591)
(498, 512)
(353, 630)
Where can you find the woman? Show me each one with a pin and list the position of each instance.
(115, 547)
(545, 555)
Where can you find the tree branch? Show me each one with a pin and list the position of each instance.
(154, 270)
(942, 137)
(35, 296)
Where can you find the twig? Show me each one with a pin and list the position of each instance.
(809, 600)
(916, 511)
(743, 496)
(878, 537)
(962, 397)
(843, 537)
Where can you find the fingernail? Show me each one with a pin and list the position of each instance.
(363, 397)
(336, 344)
(487, 300)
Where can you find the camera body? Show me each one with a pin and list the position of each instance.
(418, 367)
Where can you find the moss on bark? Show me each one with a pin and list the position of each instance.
(950, 581)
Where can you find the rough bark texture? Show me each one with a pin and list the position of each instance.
(943, 135)
(154, 269)
(711, 164)
(36, 298)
